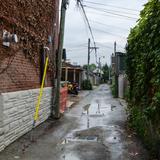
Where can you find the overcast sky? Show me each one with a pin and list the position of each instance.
(110, 20)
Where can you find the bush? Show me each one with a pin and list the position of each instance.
(143, 68)
(86, 85)
(113, 88)
(126, 94)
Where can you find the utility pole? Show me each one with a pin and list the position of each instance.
(109, 74)
(89, 45)
(59, 59)
(89, 52)
(116, 70)
(100, 66)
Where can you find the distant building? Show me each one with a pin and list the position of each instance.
(72, 73)
(118, 63)
(94, 77)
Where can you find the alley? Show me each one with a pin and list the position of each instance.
(94, 129)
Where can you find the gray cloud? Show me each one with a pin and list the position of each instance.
(107, 28)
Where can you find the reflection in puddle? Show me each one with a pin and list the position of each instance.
(96, 110)
(112, 107)
(86, 107)
(80, 139)
(99, 111)
(70, 156)
(97, 115)
(114, 137)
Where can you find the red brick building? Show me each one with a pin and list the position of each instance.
(35, 23)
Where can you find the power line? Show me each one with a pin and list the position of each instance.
(85, 23)
(76, 49)
(90, 29)
(84, 13)
(97, 22)
(116, 35)
(76, 56)
(116, 14)
(110, 15)
(104, 45)
(109, 47)
(108, 5)
(115, 11)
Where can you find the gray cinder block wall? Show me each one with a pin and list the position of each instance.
(17, 113)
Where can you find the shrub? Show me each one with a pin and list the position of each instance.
(143, 68)
(86, 85)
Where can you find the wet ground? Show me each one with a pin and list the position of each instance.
(94, 129)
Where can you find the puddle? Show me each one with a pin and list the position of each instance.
(113, 107)
(114, 137)
(80, 139)
(86, 107)
(97, 115)
(16, 157)
(88, 138)
(113, 140)
(97, 109)
(70, 156)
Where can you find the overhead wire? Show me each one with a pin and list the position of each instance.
(106, 25)
(77, 56)
(89, 26)
(110, 12)
(73, 50)
(90, 29)
(85, 23)
(110, 15)
(107, 46)
(76, 47)
(115, 11)
(113, 34)
(114, 6)
(105, 12)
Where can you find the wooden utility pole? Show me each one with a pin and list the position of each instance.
(59, 59)
(89, 52)
(116, 70)
(89, 45)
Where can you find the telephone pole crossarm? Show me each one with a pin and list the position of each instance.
(89, 52)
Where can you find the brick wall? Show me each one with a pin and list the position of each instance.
(20, 64)
(33, 22)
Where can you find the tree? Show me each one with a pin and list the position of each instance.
(92, 67)
(143, 68)
(105, 75)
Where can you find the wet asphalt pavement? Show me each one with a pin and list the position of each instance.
(94, 129)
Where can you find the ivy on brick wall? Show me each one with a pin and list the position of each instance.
(32, 21)
(143, 70)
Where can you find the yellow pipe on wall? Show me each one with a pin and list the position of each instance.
(41, 93)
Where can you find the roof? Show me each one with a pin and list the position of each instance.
(71, 66)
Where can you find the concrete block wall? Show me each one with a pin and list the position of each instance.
(17, 113)
(121, 86)
(1, 125)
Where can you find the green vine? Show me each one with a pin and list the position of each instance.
(143, 70)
